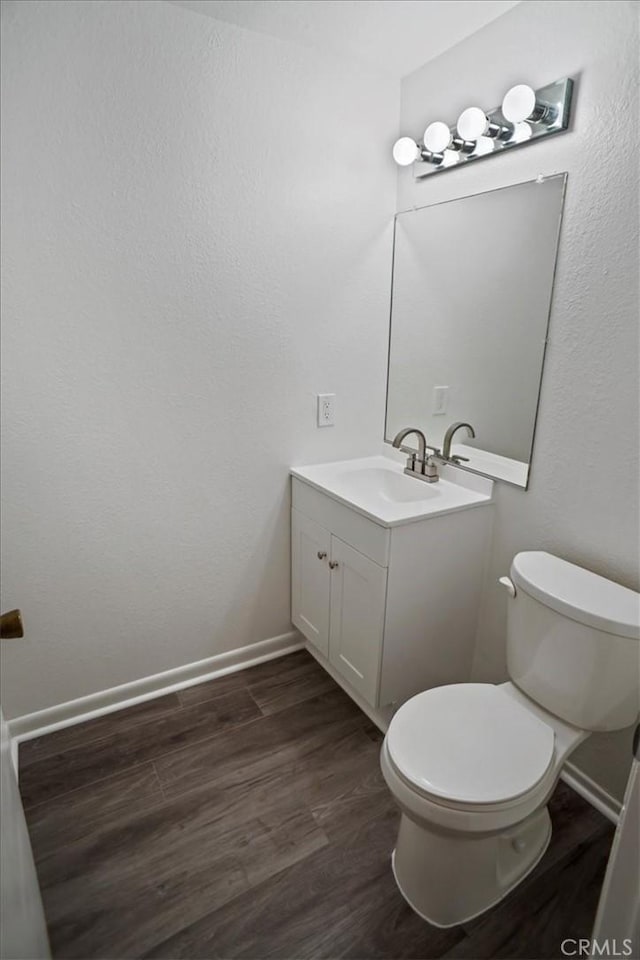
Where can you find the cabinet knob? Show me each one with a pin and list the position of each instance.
(322, 555)
(333, 564)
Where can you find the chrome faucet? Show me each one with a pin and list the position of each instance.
(448, 437)
(422, 441)
(419, 465)
(424, 466)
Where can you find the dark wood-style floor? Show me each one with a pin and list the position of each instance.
(247, 817)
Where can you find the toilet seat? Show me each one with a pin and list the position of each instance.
(469, 745)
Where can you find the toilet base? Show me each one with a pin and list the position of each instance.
(448, 879)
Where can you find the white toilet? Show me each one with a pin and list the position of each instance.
(472, 765)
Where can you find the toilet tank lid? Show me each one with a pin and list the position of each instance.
(578, 593)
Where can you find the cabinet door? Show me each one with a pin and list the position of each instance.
(310, 580)
(358, 597)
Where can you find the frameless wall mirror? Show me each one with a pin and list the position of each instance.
(471, 296)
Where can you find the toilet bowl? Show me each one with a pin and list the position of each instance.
(472, 765)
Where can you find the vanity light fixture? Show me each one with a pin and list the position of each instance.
(437, 137)
(473, 123)
(435, 159)
(524, 116)
(520, 104)
(405, 151)
(521, 132)
(483, 146)
(450, 158)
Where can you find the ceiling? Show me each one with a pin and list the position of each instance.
(396, 36)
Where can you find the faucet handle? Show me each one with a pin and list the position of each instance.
(456, 458)
(408, 450)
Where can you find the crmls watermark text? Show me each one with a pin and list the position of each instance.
(597, 948)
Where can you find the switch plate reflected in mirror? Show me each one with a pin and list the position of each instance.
(471, 299)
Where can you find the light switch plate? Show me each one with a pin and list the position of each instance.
(440, 397)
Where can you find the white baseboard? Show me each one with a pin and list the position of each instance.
(147, 688)
(128, 694)
(592, 792)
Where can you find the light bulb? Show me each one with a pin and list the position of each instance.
(521, 132)
(472, 123)
(519, 103)
(437, 137)
(450, 158)
(405, 151)
(484, 145)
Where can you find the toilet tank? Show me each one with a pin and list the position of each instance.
(573, 642)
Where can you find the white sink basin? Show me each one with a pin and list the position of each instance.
(387, 485)
(378, 488)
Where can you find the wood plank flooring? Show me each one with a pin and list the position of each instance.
(247, 817)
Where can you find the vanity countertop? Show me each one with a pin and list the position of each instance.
(378, 488)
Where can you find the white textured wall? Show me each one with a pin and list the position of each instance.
(583, 498)
(197, 239)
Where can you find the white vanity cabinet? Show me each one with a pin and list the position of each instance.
(356, 622)
(338, 602)
(388, 609)
(310, 580)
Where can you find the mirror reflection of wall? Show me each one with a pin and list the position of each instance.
(472, 286)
